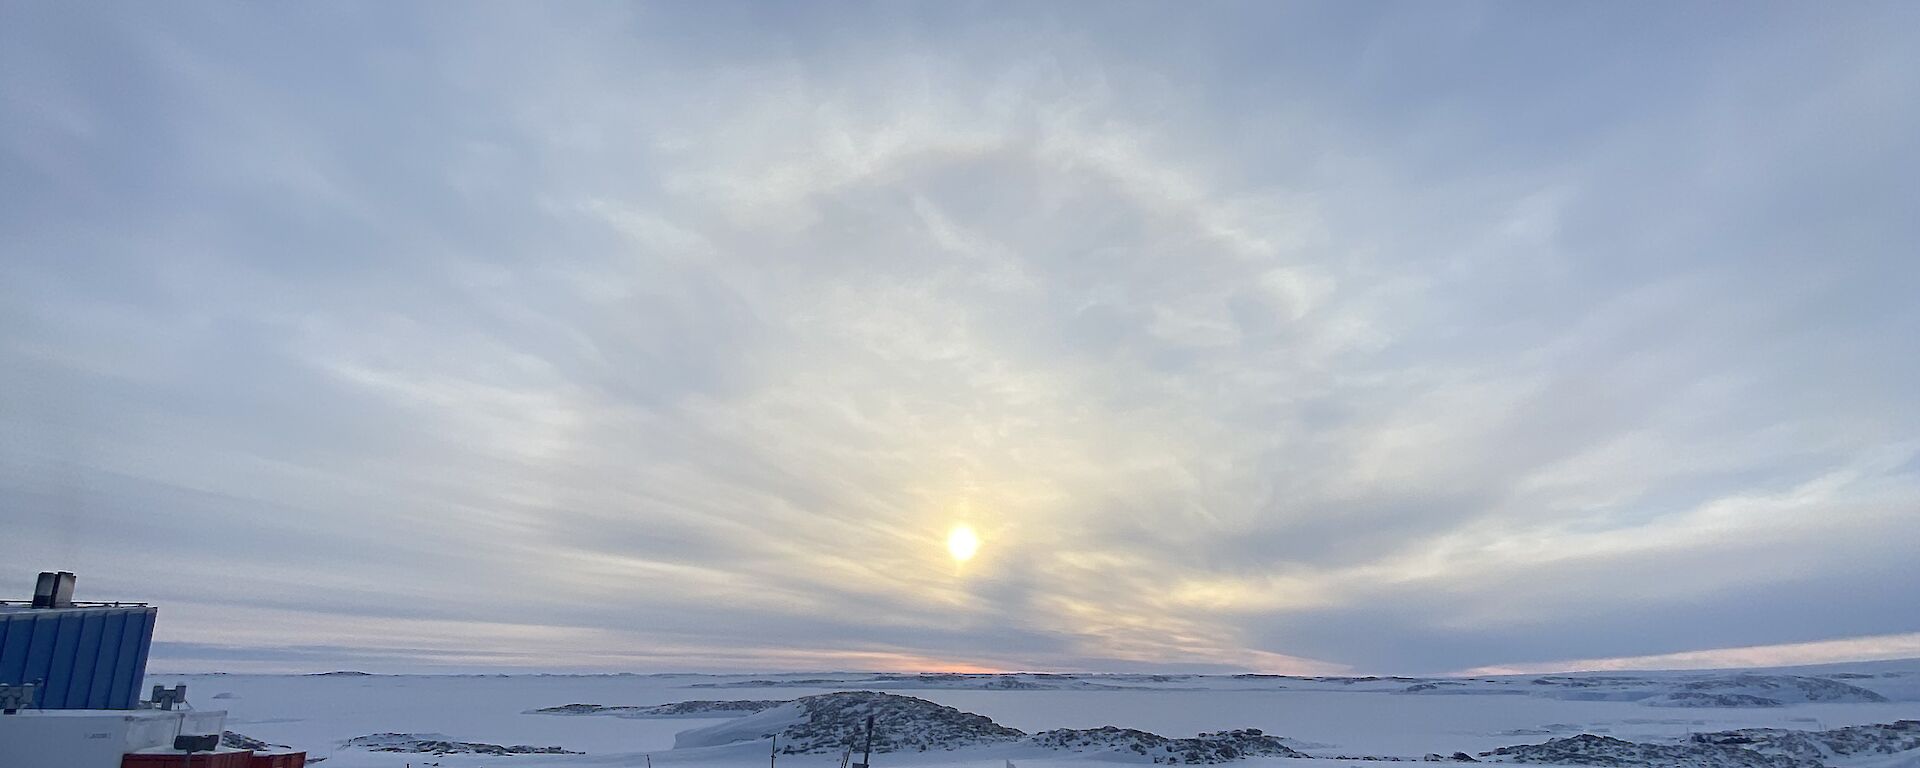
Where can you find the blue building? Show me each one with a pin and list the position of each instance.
(76, 655)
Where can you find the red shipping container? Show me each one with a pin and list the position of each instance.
(239, 758)
(279, 760)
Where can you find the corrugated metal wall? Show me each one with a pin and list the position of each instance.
(80, 658)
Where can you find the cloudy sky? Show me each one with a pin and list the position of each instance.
(1379, 337)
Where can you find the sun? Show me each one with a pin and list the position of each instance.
(962, 543)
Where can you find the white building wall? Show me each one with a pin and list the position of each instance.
(80, 738)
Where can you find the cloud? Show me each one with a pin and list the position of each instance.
(640, 337)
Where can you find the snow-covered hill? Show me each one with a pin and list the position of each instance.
(680, 709)
(1743, 748)
(1589, 749)
(1772, 690)
(830, 723)
(836, 722)
(1835, 745)
(1126, 743)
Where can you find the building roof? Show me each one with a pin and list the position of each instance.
(10, 607)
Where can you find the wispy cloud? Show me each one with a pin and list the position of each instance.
(650, 337)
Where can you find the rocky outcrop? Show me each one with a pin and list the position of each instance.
(1703, 699)
(738, 708)
(1204, 749)
(1878, 739)
(437, 744)
(1782, 688)
(243, 741)
(1588, 749)
(834, 721)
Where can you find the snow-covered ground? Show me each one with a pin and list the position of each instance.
(1323, 717)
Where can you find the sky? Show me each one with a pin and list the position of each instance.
(1285, 337)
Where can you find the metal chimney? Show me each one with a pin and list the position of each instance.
(43, 589)
(63, 589)
(53, 590)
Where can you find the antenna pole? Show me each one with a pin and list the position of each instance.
(866, 750)
(773, 752)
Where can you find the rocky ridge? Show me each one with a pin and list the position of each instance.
(437, 744)
(1704, 699)
(1877, 739)
(1588, 749)
(1743, 748)
(834, 721)
(737, 708)
(243, 741)
(1784, 688)
(1206, 748)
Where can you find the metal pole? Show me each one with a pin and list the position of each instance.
(773, 751)
(866, 750)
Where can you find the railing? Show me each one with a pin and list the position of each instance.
(82, 604)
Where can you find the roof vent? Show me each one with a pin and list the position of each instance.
(53, 590)
(165, 698)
